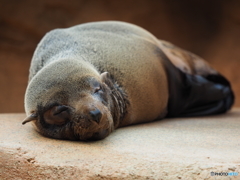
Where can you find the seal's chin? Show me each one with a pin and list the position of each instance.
(88, 135)
(100, 135)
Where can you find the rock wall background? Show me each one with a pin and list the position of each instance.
(209, 28)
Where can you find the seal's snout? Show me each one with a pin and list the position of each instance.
(96, 115)
(92, 122)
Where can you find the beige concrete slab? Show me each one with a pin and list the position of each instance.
(182, 148)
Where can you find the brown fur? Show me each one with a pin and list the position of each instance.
(87, 80)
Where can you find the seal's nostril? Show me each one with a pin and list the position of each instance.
(96, 115)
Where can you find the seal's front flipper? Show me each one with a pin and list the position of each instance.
(32, 117)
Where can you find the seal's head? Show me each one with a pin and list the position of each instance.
(70, 100)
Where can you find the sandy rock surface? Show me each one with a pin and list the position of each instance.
(181, 148)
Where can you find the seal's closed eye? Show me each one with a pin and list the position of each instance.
(60, 109)
(98, 89)
(57, 115)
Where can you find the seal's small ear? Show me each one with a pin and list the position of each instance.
(32, 117)
(105, 77)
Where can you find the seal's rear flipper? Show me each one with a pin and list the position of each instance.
(195, 95)
(198, 92)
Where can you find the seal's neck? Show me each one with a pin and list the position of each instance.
(120, 102)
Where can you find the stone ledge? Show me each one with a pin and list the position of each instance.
(181, 148)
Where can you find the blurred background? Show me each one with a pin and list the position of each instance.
(208, 28)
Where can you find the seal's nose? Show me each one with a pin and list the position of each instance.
(96, 115)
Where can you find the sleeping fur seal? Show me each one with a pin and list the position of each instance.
(87, 80)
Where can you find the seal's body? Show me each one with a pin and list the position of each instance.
(87, 80)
